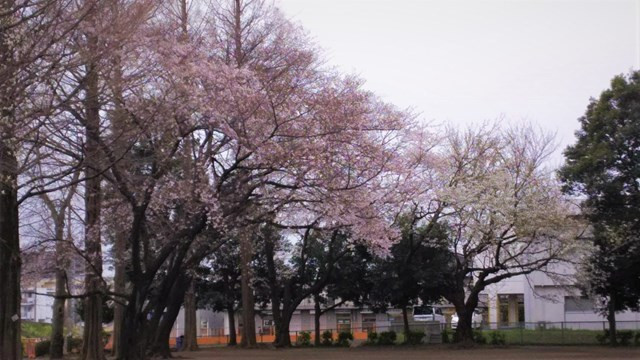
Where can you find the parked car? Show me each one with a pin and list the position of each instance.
(428, 313)
(476, 320)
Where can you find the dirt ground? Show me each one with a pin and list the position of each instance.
(426, 352)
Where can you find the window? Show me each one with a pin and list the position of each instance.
(422, 310)
(369, 322)
(577, 304)
(343, 322)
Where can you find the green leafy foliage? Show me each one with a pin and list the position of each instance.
(74, 345)
(372, 338)
(478, 337)
(327, 338)
(304, 338)
(623, 337)
(446, 336)
(603, 167)
(35, 330)
(344, 338)
(42, 348)
(414, 337)
(498, 338)
(387, 338)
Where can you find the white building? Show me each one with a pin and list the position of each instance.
(37, 302)
(540, 301)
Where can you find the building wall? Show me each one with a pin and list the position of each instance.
(37, 307)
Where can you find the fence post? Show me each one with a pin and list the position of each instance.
(562, 332)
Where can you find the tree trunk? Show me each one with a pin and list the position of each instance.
(464, 331)
(10, 347)
(405, 319)
(92, 339)
(465, 309)
(316, 320)
(283, 339)
(163, 333)
(248, 302)
(119, 287)
(57, 323)
(232, 325)
(190, 319)
(611, 317)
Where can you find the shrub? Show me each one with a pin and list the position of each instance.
(414, 337)
(42, 348)
(304, 339)
(445, 336)
(479, 338)
(636, 340)
(624, 337)
(343, 338)
(327, 338)
(603, 338)
(498, 338)
(372, 338)
(387, 338)
(74, 345)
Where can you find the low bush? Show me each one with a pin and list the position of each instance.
(414, 337)
(498, 338)
(387, 338)
(327, 338)
(42, 348)
(372, 338)
(304, 338)
(479, 338)
(446, 337)
(344, 338)
(623, 337)
(74, 345)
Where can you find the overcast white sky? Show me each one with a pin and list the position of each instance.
(467, 61)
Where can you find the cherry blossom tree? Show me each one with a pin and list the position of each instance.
(504, 209)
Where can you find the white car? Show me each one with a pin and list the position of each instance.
(428, 313)
(476, 320)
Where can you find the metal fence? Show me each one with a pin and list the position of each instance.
(554, 333)
(528, 333)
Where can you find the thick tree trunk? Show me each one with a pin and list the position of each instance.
(132, 326)
(248, 302)
(190, 319)
(57, 323)
(177, 298)
(283, 339)
(465, 309)
(232, 325)
(119, 287)
(92, 339)
(10, 347)
(405, 319)
(611, 318)
(316, 320)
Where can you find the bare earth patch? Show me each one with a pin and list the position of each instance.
(426, 352)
